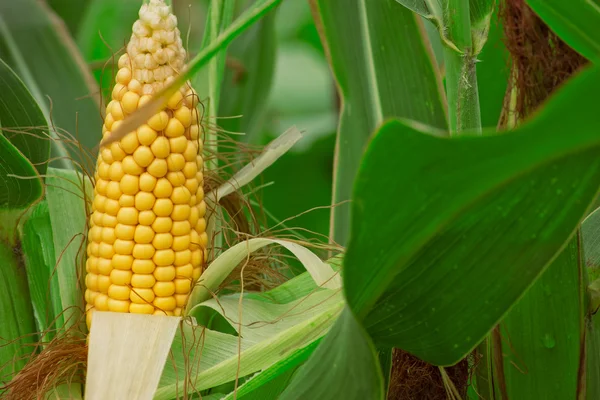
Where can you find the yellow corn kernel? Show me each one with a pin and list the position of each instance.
(163, 188)
(140, 266)
(146, 217)
(185, 271)
(178, 144)
(159, 121)
(143, 156)
(158, 168)
(144, 201)
(143, 251)
(118, 305)
(120, 277)
(147, 182)
(141, 308)
(162, 241)
(142, 281)
(123, 247)
(161, 147)
(142, 295)
(130, 184)
(183, 257)
(165, 274)
(165, 303)
(146, 135)
(143, 234)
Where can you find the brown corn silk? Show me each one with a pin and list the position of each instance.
(147, 240)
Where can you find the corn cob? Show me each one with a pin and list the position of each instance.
(147, 240)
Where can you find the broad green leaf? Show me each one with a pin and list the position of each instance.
(247, 80)
(344, 366)
(271, 382)
(454, 239)
(68, 216)
(39, 48)
(214, 358)
(243, 22)
(575, 22)
(439, 12)
(39, 257)
(17, 330)
(105, 31)
(384, 68)
(22, 121)
(542, 354)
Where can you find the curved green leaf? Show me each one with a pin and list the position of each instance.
(466, 243)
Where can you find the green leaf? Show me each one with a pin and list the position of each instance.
(271, 382)
(36, 44)
(17, 330)
(22, 121)
(575, 22)
(38, 253)
(68, 217)
(592, 343)
(248, 78)
(440, 13)
(455, 239)
(344, 366)
(541, 354)
(384, 68)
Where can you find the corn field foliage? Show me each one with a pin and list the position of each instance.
(377, 181)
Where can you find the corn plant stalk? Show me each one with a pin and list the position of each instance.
(461, 76)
